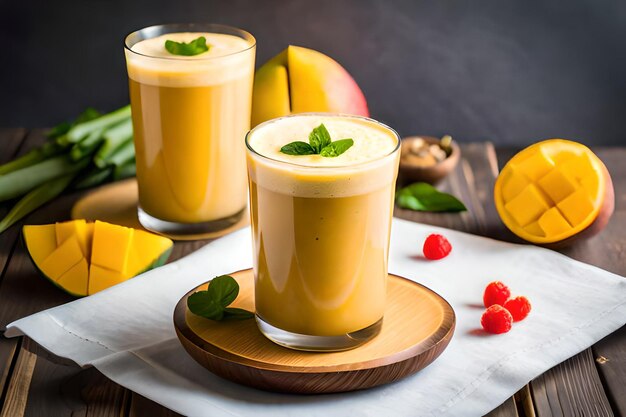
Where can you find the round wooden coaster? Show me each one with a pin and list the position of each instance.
(117, 203)
(417, 326)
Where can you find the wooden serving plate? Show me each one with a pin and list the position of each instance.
(417, 327)
(117, 203)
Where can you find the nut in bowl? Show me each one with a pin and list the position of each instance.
(428, 159)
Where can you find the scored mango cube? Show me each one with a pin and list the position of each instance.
(513, 184)
(79, 228)
(62, 258)
(556, 185)
(146, 248)
(107, 236)
(576, 207)
(45, 241)
(75, 279)
(102, 278)
(535, 166)
(592, 186)
(527, 206)
(534, 229)
(580, 167)
(553, 223)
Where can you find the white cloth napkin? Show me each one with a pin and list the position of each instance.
(127, 333)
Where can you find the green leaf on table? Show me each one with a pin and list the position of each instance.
(319, 138)
(421, 196)
(195, 47)
(297, 148)
(214, 301)
(336, 148)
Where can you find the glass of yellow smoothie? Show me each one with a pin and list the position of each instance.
(320, 228)
(191, 95)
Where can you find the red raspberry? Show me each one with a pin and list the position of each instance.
(496, 293)
(496, 319)
(436, 247)
(519, 307)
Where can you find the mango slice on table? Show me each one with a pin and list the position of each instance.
(83, 258)
(554, 192)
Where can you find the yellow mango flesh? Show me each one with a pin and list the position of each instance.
(64, 257)
(107, 236)
(301, 80)
(75, 279)
(40, 240)
(119, 253)
(550, 191)
(81, 229)
(102, 278)
(271, 90)
(145, 248)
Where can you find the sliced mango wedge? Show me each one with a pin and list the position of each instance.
(83, 258)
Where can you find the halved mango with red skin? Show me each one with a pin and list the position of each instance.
(300, 80)
(119, 253)
(554, 192)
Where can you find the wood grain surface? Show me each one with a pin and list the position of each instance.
(58, 388)
(417, 327)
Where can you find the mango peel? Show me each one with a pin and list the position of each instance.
(554, 192)
(299, 80)
(83, 258)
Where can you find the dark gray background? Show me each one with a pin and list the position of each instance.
(508, 71)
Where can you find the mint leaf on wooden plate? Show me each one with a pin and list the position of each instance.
(195, 47)
(421, 196)
(213, 303)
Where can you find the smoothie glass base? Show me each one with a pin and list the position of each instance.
(186, 230)
(310, 343)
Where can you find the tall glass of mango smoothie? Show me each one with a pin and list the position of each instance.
(321, 200)
(191, 95)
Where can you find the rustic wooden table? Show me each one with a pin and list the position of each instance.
(34, 383)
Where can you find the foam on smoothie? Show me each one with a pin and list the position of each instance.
(362, 168)
(150, 63)
(371, 140)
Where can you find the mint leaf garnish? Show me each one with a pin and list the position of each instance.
(421, 196)
(319, 144)
(195, 47)
(337, 147)
(233, 313)
(297, 148)
(319, 138)
(213, 303)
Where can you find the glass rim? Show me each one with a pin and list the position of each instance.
(326, 114)
(246, 36)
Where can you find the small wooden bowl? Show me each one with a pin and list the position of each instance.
(431, 174)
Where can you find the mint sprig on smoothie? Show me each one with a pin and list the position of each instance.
(320, 143)
(195, 47)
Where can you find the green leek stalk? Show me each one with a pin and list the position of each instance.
(82, 130)
(34, 199)
(19, 182)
